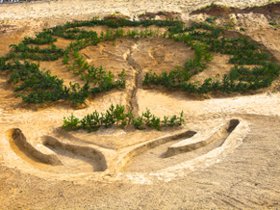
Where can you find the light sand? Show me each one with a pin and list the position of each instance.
(71, 8)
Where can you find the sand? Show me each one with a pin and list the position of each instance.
(70, 8)
(126, 169)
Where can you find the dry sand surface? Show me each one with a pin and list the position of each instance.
(226, 156)
(70, 8)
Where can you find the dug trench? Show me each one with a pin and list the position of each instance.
(75, 155)
(55, 156)
(152, 155)
(28, 152)
(168, 151)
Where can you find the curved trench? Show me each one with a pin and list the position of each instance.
(152, 157)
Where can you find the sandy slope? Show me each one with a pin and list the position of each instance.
(71, 8)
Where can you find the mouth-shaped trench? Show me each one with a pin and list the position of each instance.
(163, 142)
(75, 155)
(28, 152)
(218, 136)
(164, 152)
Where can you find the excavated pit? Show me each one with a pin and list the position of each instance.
(70, 155)
(24, 149)
(55, 156)
(166, 152)
(75, 156)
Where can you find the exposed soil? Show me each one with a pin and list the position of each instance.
(272, 9)
(57, 68)
(137, 57)
(226, 167)
(217, 68)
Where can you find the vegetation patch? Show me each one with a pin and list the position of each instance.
(206, 39)
(271, 8)
(116, 115)
(37, 86)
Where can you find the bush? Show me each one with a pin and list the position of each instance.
(77, 94)
(138, 123)
(42, 38)
(116, 115)
(97, 77)
(35, 86)
(23, 51)
(3, 65)
(71, 123)
(205, 39)
(91, 122)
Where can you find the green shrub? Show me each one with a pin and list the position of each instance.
(138, 123)
(23, 51)
(118, 116)
(71, 123)
(4, 65)
(35, 86)
(91, 122)
(97, 77)
(42, 38)
(205, 38)
(77, 94)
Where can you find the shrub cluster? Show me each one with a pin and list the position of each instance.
(117, 116)
(23, 51)
(181, 74)
(77, 94)
(99, 79)
(35, 86)
(3, 64)
(120, 23)
(42, 38)
(206, 39)
(74, 33)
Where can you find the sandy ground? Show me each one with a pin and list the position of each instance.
(70, 8)
(41, 14)
(248, 177)
(240, 170)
